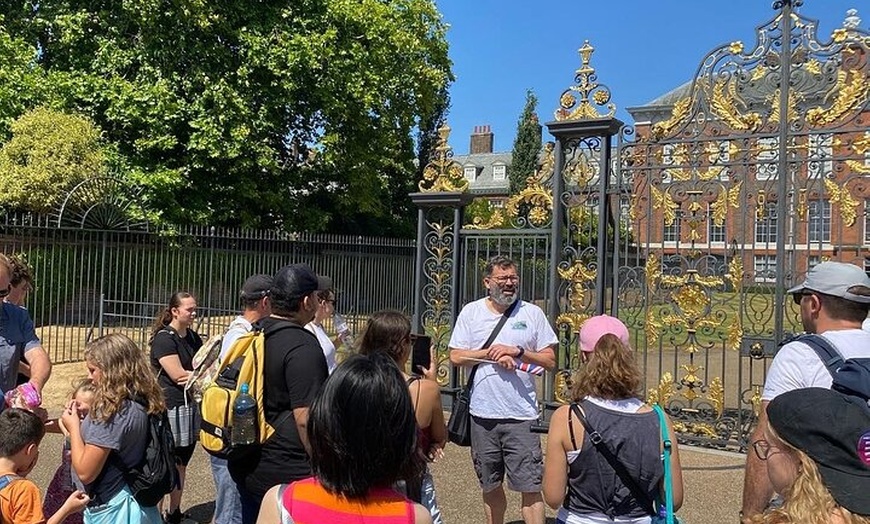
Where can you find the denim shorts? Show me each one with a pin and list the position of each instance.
(500, 446)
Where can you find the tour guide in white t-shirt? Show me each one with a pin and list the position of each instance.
(503, 401)
(834, 300)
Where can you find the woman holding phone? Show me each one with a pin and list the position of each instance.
(390, 332)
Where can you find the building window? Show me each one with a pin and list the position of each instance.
(668, 160)
(820, 221)
(715, 233)
(671, 233)
(765, 268)
(470, 173)
(813, 261)
(766, 227)
(768, 158)
(498, 172)
(867, 150)
(496, 203)
(625, 212)
(821, 152)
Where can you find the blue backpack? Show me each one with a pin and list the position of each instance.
(851, 376)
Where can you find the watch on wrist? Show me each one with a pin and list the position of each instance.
(521, 353)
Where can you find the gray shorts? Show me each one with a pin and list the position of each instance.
(499, 445)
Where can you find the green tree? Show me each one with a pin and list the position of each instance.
(259, 113)
(527, 145)
(48, 153)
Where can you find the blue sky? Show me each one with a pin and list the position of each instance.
(501, 48)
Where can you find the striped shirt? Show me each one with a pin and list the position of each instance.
(307, 502)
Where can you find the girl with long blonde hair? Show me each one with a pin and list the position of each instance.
(113, 435)
(817, 452)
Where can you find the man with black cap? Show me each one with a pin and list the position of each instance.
(255, 306)
(295, 369)
(834, 301)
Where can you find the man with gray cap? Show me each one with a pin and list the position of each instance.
(834, 301)
(294, 370)
(255, 306)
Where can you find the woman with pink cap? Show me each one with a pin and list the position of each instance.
(616, 475)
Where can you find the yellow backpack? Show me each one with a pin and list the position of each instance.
(243, 364)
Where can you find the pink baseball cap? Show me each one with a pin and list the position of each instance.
(596, 327)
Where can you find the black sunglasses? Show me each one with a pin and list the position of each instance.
(797, 297)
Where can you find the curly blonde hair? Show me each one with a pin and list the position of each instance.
(611, 372)
(126, 375)
(808, 500)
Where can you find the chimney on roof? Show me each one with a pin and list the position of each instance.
(481, 140)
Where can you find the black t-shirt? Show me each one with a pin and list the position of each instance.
(295, 370)
(167, 342)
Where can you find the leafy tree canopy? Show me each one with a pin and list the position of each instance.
(48, 153)
(249, 112)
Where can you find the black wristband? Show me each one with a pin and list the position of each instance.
(521, 353)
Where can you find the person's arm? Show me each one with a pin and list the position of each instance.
(40, 366)
(75, 503)
(304, 374)
(173, 369)
(438, 430)
(422, 515)
(88, 460)
(269, 513)
(555, 479)
(757, 489)
(676, 468)
(459, 357)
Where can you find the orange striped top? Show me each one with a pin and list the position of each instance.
(307, 502)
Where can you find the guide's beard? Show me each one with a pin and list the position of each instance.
(498, 296)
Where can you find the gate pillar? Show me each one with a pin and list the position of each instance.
(440, 205)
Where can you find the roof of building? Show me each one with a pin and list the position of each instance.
(660, 108)
(484, 183)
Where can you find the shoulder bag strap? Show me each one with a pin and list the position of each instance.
(491, 339)
(831, 358)
(666, 463)
(621, 471)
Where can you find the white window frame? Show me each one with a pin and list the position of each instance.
(823, 221)
(470, 173)
(867, 152)
(499, 172)
(813, 261)
(769, 219)
(768, 157)
(713, 228)
(496, 203)
(764, 268)
(671, 233)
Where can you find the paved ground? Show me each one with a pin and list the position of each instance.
(713, 485)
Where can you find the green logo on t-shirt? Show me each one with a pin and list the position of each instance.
(520, 324)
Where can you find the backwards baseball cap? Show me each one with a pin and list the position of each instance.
(298, 280)
(834, 430)
(596, 327)
(256, 287)
(837, 279)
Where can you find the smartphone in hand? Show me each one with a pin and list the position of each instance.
(421, 355)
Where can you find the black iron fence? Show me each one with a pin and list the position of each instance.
(90, 282)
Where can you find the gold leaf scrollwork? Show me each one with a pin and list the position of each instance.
(442, 173)
(664, 201)
(853, 89)
(727, 197)
(578, 276)
(572, 109)
(724, 107)
(663, 392)
(841, 196)
(539, 200)
(563, 385)
(678, 115)
(716, 395)
(495, 220)
(861, 147)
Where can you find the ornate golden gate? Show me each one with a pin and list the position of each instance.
(691, 227)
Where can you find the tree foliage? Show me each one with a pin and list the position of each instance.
(527, 145)
(251, 112)
(48, 153)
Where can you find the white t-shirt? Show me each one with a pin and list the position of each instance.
(238, 327)
(797, 366)
(325, 343)
(497, 392)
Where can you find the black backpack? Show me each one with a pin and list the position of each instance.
(155, 476)
(851, 376)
